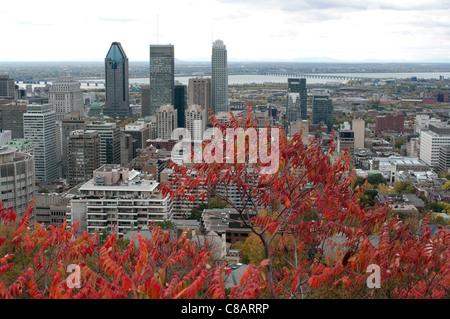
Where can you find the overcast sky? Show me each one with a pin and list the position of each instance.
(352, 30)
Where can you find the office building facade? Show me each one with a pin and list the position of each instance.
(65, 96)
(166, 121)
(83, 156)
(40, 128)
(180, 103)
(299, 86)
(162, 76)
(322, 111)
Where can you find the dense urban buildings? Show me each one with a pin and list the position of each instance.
(39, 128)
(196, 120)
(162, 76)
(117, 104)
(219, 77)
(109, 140)
(145, 100)
(390, 123)
(199, 92)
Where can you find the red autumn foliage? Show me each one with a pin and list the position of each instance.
(297, 263)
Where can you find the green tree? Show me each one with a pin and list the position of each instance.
(376, 179)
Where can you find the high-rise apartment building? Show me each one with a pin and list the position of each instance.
(119, 199)
(162, 76)
(166, 121)
(322, 110)
(219, 78)
(180, 103)
(145, 100)
(299, 86)
(65, 96)
(117, 104)
(16, 179)
(83, 156)
(109, 141)
(39, 127)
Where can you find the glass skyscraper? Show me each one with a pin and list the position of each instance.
(299, 86)
(162, 75)
(322, 110)
(219, 78)
(116, 83)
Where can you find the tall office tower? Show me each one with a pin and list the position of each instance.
(180, 103)
(359, 128)
(11, 118)
(166, 121)
(145, 100)
(83, 156)
(299, 86)
(39, 128)
(7, 87)
(196, 121)
(199, 92)
(109, 141)
(65, 96)
(431, 140)
(16, 179)
(292, 107)
(117, 102)
(219, 78)
(322, 110)
(68, 124)
(162, 76)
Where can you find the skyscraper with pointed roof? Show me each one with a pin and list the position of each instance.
(116, 83)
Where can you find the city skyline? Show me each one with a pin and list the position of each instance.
(329, 30)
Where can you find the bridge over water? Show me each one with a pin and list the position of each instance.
(317, 76)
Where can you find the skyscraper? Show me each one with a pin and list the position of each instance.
(39, 128)
(83, 158)
(322, 110)
(219, 78)
(116, 83)
(292, 107)
(65, 96)
(180, 103)
(166, 121)
(162, 75)
(299, 86)
(192, 114)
